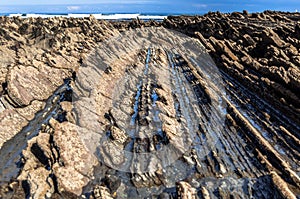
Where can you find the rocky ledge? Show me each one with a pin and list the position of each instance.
(191, 107)
(260, 50)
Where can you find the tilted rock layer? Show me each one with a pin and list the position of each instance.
(78, 111)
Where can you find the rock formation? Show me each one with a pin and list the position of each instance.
(191, 107)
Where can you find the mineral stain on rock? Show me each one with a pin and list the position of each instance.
(133, 109)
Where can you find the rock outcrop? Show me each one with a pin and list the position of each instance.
(260, 50)
(133, 109)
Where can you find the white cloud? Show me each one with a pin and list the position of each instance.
(200, 5)
(71, 8)
(76, 2)
(126, 1)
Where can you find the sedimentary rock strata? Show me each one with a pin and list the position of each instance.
(99, 109)
(260, 50)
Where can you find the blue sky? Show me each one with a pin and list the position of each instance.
(150, 6)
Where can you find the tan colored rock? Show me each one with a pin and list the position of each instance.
(294, 76)
(118, 134)
(77, 159)
(13, 121)
(186, 191)
(101, 192)
(250, 62)
(43, 142)
(221, 47)
(205, 193)
(26, 84)
(166, 102)
(169, 127)
(73, 170)
(204, 41)
(72, 150)
(10, 124)
(147, 179)
(36, 156)
(270, 37)
(292, 50)
(66, 106)
(282, 186)
(62, 61)
(30, 111)
(237, 65)
(7, 59)
(70, 180)
(39, 183)
(248, 39)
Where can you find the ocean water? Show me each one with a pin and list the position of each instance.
(142, 8)
(80, 11)
(156, 17)
(104, 9)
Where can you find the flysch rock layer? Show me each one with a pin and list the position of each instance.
(99, 109)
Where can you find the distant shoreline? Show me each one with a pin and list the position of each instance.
(96, 15)
(118, 15)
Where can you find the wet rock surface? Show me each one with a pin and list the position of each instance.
(99, 109)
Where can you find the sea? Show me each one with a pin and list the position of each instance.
(123, 11)
(113, 16)
(103, 11)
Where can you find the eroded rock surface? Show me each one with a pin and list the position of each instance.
(87, 112)
(260, 50)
